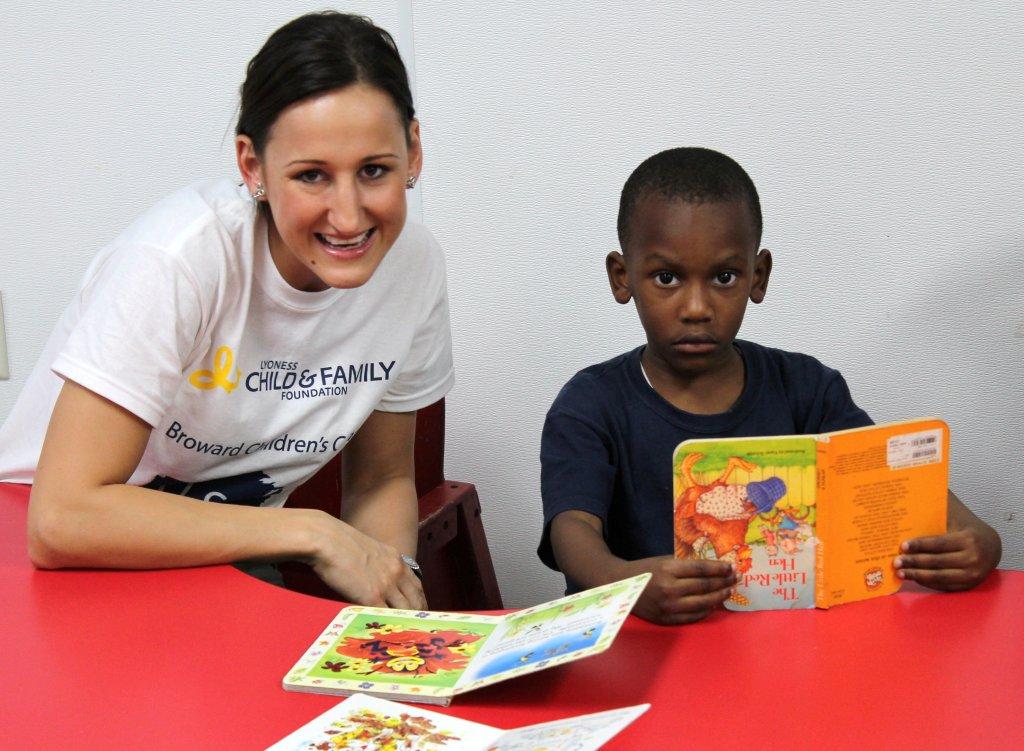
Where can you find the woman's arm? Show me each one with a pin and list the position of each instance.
(82, 513)
(379, 480)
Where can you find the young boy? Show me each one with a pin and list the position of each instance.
(689, 228)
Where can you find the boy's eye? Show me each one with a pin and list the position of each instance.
(374, 171)
(725, 278)
(665, 279)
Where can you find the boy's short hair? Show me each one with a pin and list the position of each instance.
(691, 174)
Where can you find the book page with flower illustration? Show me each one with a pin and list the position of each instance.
(365, 722)
(415, 655)
(429, 656)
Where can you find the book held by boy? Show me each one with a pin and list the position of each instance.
(430, 657)
(811, 520)
(367, 722)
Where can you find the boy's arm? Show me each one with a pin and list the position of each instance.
(678, 592)
(957, 560)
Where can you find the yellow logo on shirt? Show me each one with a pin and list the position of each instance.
(220, 376)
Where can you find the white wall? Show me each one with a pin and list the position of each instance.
(885, 142)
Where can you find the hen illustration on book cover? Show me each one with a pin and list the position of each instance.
(815, 520)
(751, 502)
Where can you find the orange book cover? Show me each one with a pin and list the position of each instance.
(812, 520)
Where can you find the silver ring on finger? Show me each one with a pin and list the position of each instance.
(409, 561)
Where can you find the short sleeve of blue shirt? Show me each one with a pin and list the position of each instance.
(579, 460)
(608, 439)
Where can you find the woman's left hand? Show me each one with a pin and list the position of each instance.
(362, 569)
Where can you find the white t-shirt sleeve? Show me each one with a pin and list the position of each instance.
(138, 324)
(427, 373)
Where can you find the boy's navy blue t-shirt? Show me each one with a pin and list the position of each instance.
(608, 439)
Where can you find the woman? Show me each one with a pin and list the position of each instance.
(234, 338)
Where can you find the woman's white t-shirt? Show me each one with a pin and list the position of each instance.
(250, 385)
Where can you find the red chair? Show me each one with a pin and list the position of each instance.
(457, 569)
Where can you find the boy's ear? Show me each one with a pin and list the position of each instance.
(618, 277)
(762, 270)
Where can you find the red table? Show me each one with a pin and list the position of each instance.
(194, 659)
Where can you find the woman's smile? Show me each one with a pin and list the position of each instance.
(346, 249)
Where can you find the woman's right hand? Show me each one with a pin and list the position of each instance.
(362, 569)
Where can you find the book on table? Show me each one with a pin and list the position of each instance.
(368, 722)
(811, 520)
(430, 657)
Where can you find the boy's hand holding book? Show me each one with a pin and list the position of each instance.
(955, 561)
(681, 591)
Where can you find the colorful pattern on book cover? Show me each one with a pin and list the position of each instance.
(393, 651)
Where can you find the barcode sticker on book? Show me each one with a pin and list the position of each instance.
(913, 449)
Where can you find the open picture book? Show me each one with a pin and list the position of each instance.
(367, 722)
(430, 657)
(811, 520)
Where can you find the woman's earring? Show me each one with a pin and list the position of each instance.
(260, 192)
(410, 182)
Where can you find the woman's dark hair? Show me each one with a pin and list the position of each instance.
(315, 53)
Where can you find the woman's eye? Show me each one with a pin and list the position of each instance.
(373, 171)
(309, 176)
(726, 278)
(665, 278)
